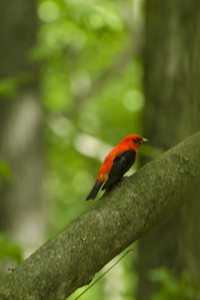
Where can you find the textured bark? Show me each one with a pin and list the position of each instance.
(172, 88)
(72, 257)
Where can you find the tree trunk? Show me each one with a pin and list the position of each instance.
(72, 257)
(172, 113)
(21, 207)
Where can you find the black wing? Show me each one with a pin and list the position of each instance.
(121, 164)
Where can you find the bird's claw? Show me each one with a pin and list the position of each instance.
(122, 179)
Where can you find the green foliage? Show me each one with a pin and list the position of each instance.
(8, 249)
(91, 84)
(92, 91)
(10, 254)
(9, 86)
(182, 288)
(5, 172)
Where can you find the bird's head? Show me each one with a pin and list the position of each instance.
(135, 141)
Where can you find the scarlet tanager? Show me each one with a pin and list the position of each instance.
(117, 163)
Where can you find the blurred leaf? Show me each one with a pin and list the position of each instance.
(5, 172)
(184, 287)
(9, 250)
(9, 86)
(92, 91)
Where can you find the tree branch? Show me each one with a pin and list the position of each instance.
(71, 258)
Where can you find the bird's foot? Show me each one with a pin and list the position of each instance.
(122, 179)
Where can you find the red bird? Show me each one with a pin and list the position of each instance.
(117, 163)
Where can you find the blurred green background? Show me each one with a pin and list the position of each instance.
(92, 89)
(82, 75)
(96, 98)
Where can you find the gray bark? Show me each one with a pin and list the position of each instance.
(71, 258)
(21, 205)
(172, 88)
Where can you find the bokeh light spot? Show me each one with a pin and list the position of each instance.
(48, 11)
(133, 100)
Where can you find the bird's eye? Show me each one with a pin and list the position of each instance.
(135, 140)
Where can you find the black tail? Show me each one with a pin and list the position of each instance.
(95, 190)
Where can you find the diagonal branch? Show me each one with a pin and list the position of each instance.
(71, 258)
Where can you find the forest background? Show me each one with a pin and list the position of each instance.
(76, 78)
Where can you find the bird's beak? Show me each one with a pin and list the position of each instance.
(144, 141)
